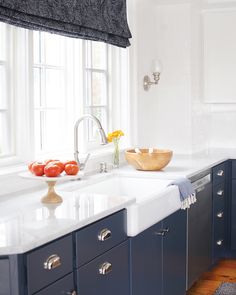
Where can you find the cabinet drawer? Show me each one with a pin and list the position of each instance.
(99, 237)
(64, 286)
(49, 263)
(219, 173)
(107, 274)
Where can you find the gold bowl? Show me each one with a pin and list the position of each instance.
(146, 161)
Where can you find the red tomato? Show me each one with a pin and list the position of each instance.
(52, 170)
(38, 168)
(71, 162)
(30, 166)
(49, 161)
(58, 163)
(71, 169)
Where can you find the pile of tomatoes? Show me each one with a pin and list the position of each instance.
(53, 168)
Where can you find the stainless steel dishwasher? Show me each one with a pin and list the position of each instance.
(199, 228)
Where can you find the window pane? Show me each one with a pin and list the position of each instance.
(3, 102)
(4, 135)
(2, 41)
(49, 49)
(101, 114)
(96, 89)
(96, 55)
(54, 131)
(54, 49)
(99, 55)
(54, 88)
(50, 131)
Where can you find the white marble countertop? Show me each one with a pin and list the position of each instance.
(26, 223)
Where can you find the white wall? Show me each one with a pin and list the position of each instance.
(176, 114)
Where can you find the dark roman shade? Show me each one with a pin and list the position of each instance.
(98, 20)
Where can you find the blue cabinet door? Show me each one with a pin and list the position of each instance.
(174, 253)
(4, 277)
(146, 262)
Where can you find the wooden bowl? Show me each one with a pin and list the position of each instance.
(146, 161)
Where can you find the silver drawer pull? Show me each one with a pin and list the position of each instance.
(71, 293)
(220, 173)
(162, 232)
(105, 268)
(52, 262)
(104, 235)
(220, 214)
(220, 193)
(219, 242)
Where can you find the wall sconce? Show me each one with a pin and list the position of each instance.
(156, 69)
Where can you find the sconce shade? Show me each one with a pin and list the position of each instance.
(157, 66)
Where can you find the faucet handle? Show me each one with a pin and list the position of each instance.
(103, 167)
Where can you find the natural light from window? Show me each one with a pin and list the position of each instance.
(5, 120)
(47, 82)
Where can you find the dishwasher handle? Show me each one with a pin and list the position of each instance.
(199, 185)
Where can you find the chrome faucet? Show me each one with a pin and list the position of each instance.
(100, 130)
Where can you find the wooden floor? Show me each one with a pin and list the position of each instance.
(224, 271)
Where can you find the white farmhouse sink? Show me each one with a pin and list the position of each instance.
(154, 200)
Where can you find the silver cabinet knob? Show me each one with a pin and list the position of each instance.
(71, 293)
(220, 173)
(105, 268)
(219, 242)
(220, 193)
(104, 235)
(220, 214)
(52, 262)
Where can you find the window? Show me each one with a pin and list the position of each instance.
(6, 147)
(55, 80)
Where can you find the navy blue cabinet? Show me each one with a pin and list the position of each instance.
(146, 261)
(5, 288)
(158, 258)
(95, 260)
(233, 207)
(102, 257)
(174, 253)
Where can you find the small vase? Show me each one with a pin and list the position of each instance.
(116, 156)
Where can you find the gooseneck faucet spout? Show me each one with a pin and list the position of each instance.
(101, 133)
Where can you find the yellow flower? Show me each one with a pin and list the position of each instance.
(109, 137)
(114, 135)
